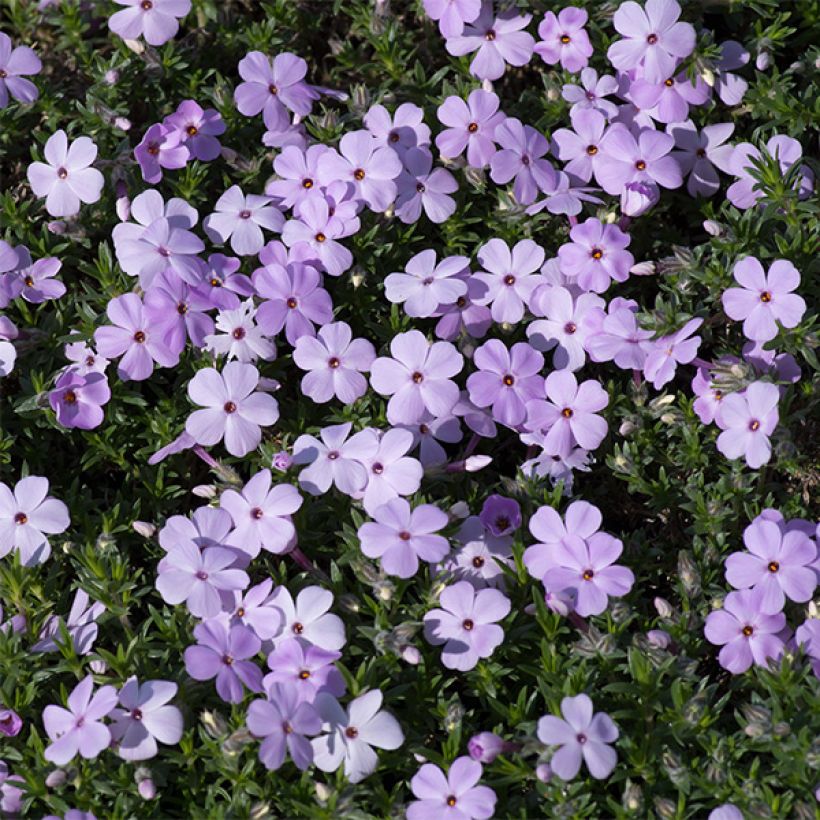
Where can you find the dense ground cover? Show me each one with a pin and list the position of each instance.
(701, 460)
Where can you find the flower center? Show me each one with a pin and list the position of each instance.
(257, 513)
(754, 425)
(502, 522)
(333, 363)
(153, 148)
(29, 282)
(478, 561)
(307, 183)
(640, 165)
(490, 35)
(701, 152)
(597, 253)
(570, 327)
(238, 333)
(418, 378)
(182, 308)
(424, 429)
(227, 660)
(525, 160)
(451, 800)
(472, 127)
(70, 397)
(565, 39)
(590, 95)
(216, 283)
(509, 279)
(718, 395)
(420, 187)
(320, 237)
(588, 575)
(377, 468)
(139, 337)
(304, 674)
(652, 39)
(358, 174)
(273, 89)
(80, 722)
(404, 535)
(592, 150)
(468, 624)
(394, 136)
(461, 301)
(669, 82)
(567, 412)
(508, 380)
(246, 214)
(20, 518)
(163, 252)
(352, 732)
(297, 628)
(581, 738)
(287, 728)
(89, 361)
(136, 714)
(3, 74)
(229, 407)
(240, 613)
(333, 455)
(202, 575)
(765, 296)
(191, 130)
(748, 631)
(773, 566)
(62, 173)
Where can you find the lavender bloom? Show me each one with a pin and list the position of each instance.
(485, 747)
(390, 471)
(668, 101)
(429, 431)
(708, 395)
(699, 153)
(620, 338)
(15, 64)
(500, 515)
(10, 722)
(522, 149)
(284, 721)
(317, 231)
(727, 811)
(81, 625)
(240, 338)
(77, 399)
(745, 632)
(305, 669)
(467, 624)
(308, 618)
(79, 729)
(747, 421)
(480, 557)
(498, 40)
(241, 218)
(255, 609)
(207, 527)
(349, 736)
(807, 637)
(179, 310)
(764, 299)
(580, 735)
(425, 285)
(403, 131)
(400, 536)
(653, 38)
(506, 379)
(564, 40)
(777, 563)
(418, 186)
(639, 197)
(66, 178)
(644, 159)
(731, 88)
(222, 652)
(669, 351)
(36, 282)
(454, 796)
(11, 797)
(596, 255)
(466, 314)
(198, 129)
(233, 410)
(417, 377)
(156, 20)
(298, 172)
(592, 93)
(26, 515)
(261, 515)
(161, 147)
(470, 125)
(452, 14)
(580, 148)
(145, 718)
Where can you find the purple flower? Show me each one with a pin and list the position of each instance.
(145, 718)
(36, 283)
(156, 20)
(454, 796)
(274, 87)
(699, 153)
(179, 310)
(403, 131)
(653, 38)
(467, 624)
(470, 125)
(569, 416)
(255, 609)
(764, 299)
(522, 149)
(81, 625)
(371, 168)
(731, 88)
(506, 379)
(644, 159)
(596, 255)
(390, 471)
(349, 735)
(498, 41)
(807, 637)
(417, 377)
(233, 410)
(208, 527)
(429, 431)
(239, 337)
(66, 178)
(564, 40)
(11, 796)
(317, 230)
(241, 218)
(745, 632)
(452, 14)
(335, 459)
(10, 722)
(747, 421)
(580, 735)
(485, 747)
(591, 93)
(639, 197)
(77, 399)
(298, 172)
(777, 563)
(198, 129)
(669, 351)
(465, 314)
(161, 147)
(580, 148)
(620, 338)
(418, 186)
(26, 515)
(222, 652)
(708, 395)
(500, 515)
(305, 669)
(284, 721)
(425, 285)
(79, 728)
(15, 63)
(308, 618)
(668, 100)
(400, 536)
(481, 556)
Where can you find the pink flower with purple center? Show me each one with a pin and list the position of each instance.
(596, 255)
(156, 20)
(641, 158)
(470, 125)
(77, 399)
(747, 421)
(161, 147)
(564, 39)
(455, 796)
(198, 129)
(580, 148)
(669, 351)
(521, 158)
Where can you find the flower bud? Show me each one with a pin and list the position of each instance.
(111, 77)
(713, 228)
(214, 724)
(234, 744)
(643, 269)
(638, 197)
(632, 800)
(454, 716)
(98, 667)
(204, 491)
(763, 60)
(123, 123)
(57, 226)
(485, 747)
(146, 788)
(282, 461)
(411, 655)
(349, 603)
(543, 771)
(663, 607)
(665, 808)
(10, 722)
(144, 529)
(384, 590)
(658, 638)
(475, 463)
(459, 510)
(56, 779)
(260, 811)
(688, 573)
(323, 792)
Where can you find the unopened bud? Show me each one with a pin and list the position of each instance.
(144, 528)
(665, 808)
(205, 491)
(349, 603)
(658, 638)
(633, 797)
(459, 510)
(475, 463)
(57, 227)
(282, 461)
(411, 655)
(111, 77)
(713, 228)
(643, 269)
(214, 724)
(543, 771)
(56, 779)
(147, 789)
(454, 716)
(663, 607)
(123, 123)
(323, 792)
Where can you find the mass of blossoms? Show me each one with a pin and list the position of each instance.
(408, 409)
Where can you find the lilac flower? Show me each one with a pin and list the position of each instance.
(592, 93)
(179, 310)
(255, 609)
(466, 624)
(425, 285)
(145, 718)
(79, 729)
(454, 796)
(644, 159)
(452, 14)
(349, 735)
(429, 431)
(198, 129)
(197, 577)
(161, 147)
(11, 796)
(470, 125)
(238, 337)
(708, 395)
(747, 421)
(15, 64)
(418, 186)
(222, 652)
(564, 40)
(66, 178)
(335, 362)
(745, 632)
(390, 471)
(417, 377)
(145, 209)
(298, 172)
(653, 38)
(261, 515)
(580, 735)
(274, 87)
(580, 148)
(498, 40)
(485, 747)
(731, 88)
(698, 154)
(207, 527)
(305, 669)
(596, 255)
(638, 197)
(241, 218)
(807, 636)
(156, 20)
(335, 459)
(26, 516)
(506, 379)
(777, 563)
(500, 515)
(401, 132)
(620, 338)
(308, 618)
(81, 625)
(10, 722)
(481, 556)
(400, 536)
(465, 315)
(318, 231)
(521, 157)
(77, 399)
(668, 100)
(669, 351)
(370, 167)
(727, 811)
(764, 299)
(284, 721)
(8, 356)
